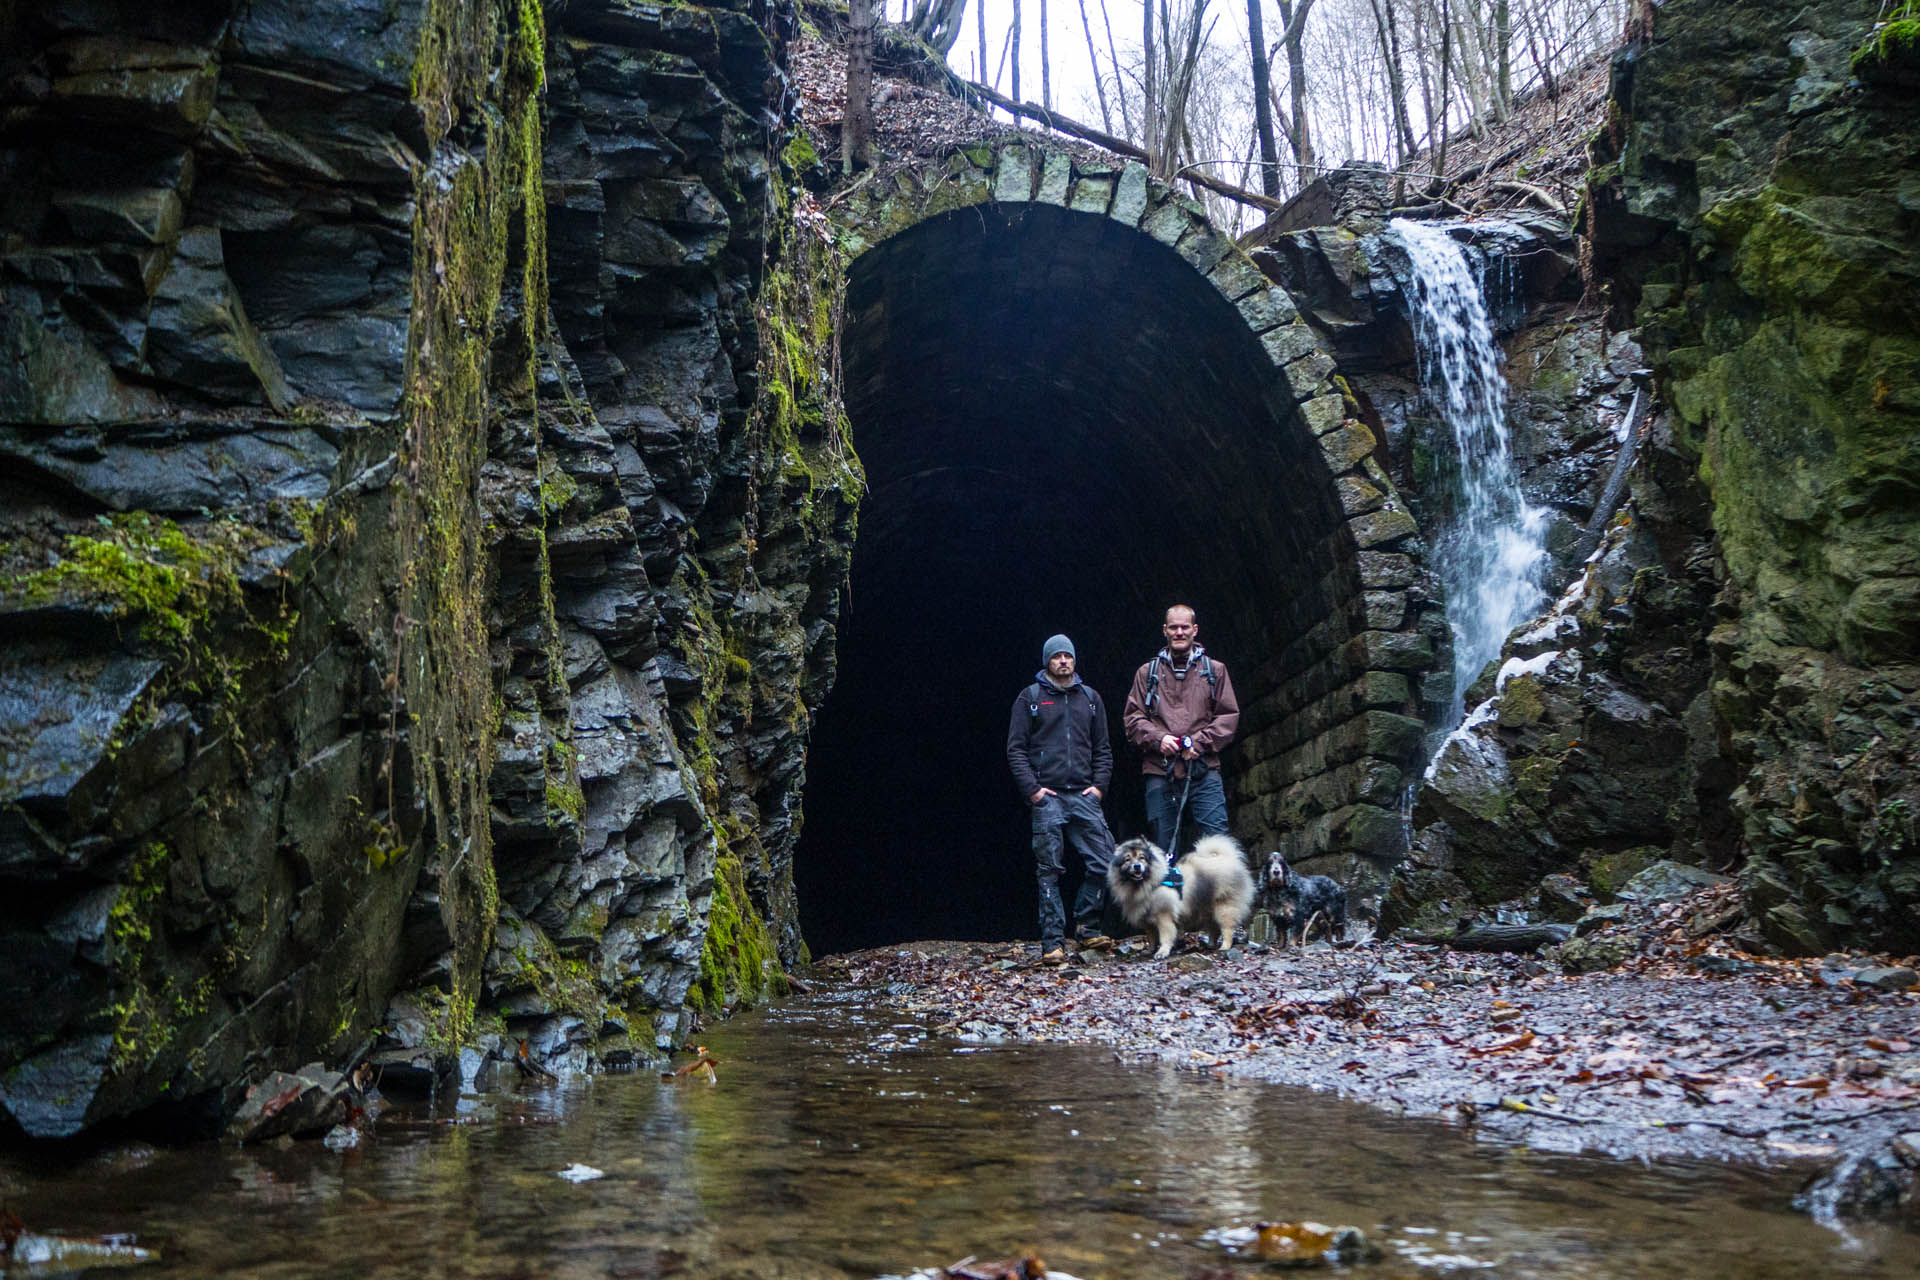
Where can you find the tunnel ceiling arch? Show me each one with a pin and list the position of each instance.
(1076, 402)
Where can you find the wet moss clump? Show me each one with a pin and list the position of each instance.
(738, 960)
(1893, 50)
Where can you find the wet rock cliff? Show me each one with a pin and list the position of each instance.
(425, 514)
(1729, 681)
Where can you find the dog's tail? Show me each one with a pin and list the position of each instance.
(1218, 846)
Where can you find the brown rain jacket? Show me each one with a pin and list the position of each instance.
(1184, 706)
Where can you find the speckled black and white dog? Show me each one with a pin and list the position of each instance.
(1295, 902)
(1218, 890)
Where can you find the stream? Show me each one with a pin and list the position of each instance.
(842, 1140)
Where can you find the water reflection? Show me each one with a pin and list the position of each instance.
(839, 1142)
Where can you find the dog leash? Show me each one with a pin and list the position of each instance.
(1174, 880)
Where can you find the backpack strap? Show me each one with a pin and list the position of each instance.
(1206, 669)
(1153, 680)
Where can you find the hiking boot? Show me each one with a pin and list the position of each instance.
(1056, 954)
(1094, 940)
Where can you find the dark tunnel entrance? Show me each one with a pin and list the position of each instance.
(1063, 429)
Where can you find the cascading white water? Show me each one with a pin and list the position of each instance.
(1490, 549)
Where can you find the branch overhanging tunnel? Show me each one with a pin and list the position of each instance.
(1065, 427)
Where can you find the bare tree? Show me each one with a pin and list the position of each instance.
(1046, 71)
(1149, 100)
(1439, 131)
(1093, 60)
(1262, 103)
(938, 22)
(856, 121)
(1293, 17)
(1014, 35)
(1502, 45)
(1396, 85)
(980, 29)
(1113, 58)
(1182, 45)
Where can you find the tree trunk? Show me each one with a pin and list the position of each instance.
(1541, 60)
(1046, 70)
(1180, 73)
(1293, 16)
(1396, 87)
(1446, 70)
(980, 30)
(1503, 60)
(1014, 35)
(856, 121)
(1149, 99)
(1113, 57)
(1263, 103)
(938, 23)
(1093, 60)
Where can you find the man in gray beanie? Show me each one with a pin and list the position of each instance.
(1062, 761)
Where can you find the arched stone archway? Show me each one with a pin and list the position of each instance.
(1078, 402)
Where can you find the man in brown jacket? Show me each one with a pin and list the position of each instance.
(1181, 712)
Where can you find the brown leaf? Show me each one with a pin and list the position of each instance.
(1520, 1041)
(1292, 1241)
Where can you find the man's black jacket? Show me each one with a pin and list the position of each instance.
(1058, 738)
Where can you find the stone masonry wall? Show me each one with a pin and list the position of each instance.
(1333, 715)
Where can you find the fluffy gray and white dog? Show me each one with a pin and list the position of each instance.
(1218, 890)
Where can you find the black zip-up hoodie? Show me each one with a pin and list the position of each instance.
(1058, 738)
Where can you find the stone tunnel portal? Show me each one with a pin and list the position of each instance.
(1063, 429)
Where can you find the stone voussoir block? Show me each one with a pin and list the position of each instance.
(1386, 610)
(1130, 196)
(1169, 222)
(1343, 447)
(1266, 309)
(1056, 177)
(1013, 175)
(1287, 343)
(1379, 569)
(1091, 195)
(1203, 247)
(1383, 527)
(1323, 414)
(1236, 276)
(1314, 369)
(1357, 494)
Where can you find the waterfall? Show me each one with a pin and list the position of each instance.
(1490, 547)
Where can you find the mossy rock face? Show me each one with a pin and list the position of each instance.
(359, 712)
(1609, 871)
(1788, 351)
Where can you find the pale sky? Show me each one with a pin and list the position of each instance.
(1072, 73)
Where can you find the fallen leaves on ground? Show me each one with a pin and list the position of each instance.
(1658, 1047)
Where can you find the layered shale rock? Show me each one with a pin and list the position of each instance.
(368, 623)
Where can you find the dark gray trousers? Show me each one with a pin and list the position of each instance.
(1070, 818)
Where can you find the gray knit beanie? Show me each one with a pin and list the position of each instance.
(1056, 644)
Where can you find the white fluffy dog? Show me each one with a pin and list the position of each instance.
(1218, 891)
